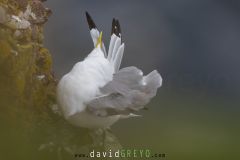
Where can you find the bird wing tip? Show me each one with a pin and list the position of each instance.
(90, 21)
(116, 28)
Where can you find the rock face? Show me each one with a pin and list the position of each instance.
(29, 127)
(25, 65)
(27, 85)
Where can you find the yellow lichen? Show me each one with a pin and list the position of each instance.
(5, 50)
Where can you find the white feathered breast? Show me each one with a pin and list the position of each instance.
(82, 83)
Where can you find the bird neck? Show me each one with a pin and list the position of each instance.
(96, 52)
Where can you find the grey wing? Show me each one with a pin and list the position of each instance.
(128, 92)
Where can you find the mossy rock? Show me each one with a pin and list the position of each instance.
(29, 127)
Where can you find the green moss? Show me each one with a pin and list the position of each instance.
(44, 60)
(5, 50)
(25, 100)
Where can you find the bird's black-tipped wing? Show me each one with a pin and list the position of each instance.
(94, 32)
(113, 26)
(116, 28)
(90, 21)
(116, 47)
(119, 28)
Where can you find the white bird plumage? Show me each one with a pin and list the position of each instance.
(95, 93)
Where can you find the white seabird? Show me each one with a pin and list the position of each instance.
(96, 93)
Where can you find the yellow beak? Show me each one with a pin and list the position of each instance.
(99, 41)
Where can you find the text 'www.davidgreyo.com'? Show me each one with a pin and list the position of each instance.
(122, 153)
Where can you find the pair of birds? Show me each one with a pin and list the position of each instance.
(96, 93)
